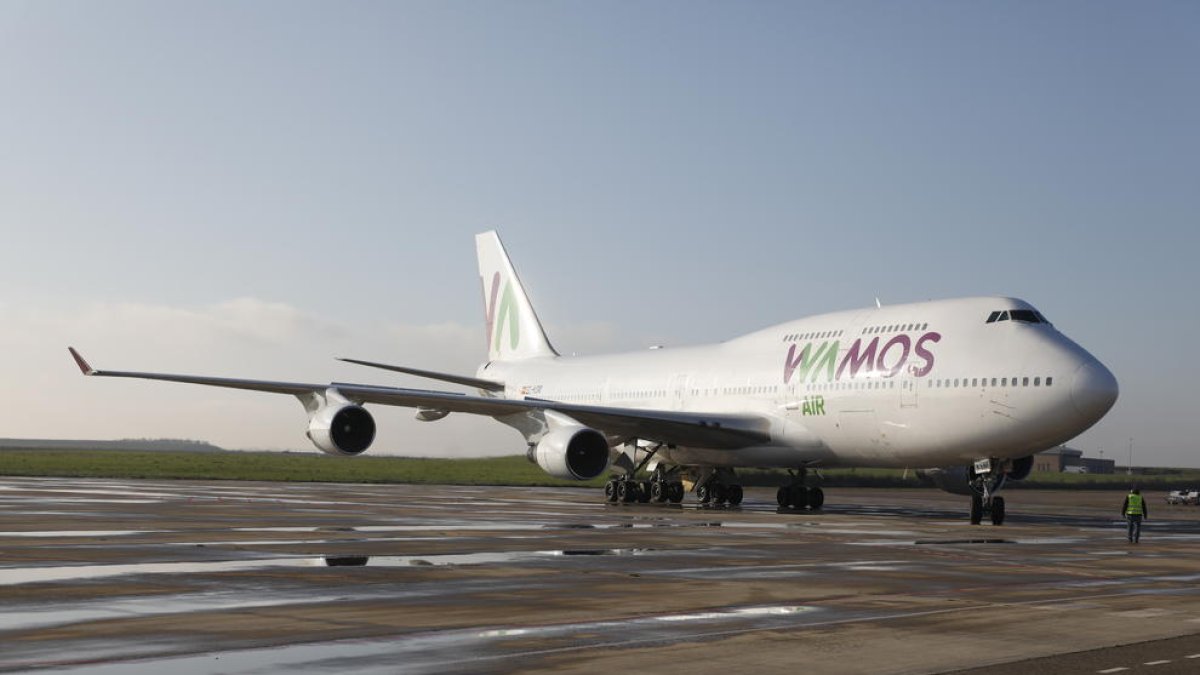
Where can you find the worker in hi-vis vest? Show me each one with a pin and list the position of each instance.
(1134, 510)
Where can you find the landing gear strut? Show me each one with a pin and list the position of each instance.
(986, 478)
(796, 495)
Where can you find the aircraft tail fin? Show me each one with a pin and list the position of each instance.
(513, 330)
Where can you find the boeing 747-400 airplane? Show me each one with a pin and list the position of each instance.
(967, 389)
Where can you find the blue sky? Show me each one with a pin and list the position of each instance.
(252, 188)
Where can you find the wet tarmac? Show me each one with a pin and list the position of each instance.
(195, 577)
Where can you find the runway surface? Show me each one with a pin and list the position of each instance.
(104, 576)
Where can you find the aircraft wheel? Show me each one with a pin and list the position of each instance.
(610, 492)
(997, 510)
(783, 497)
(798, 497)
(719, 493)
(976, 509)
(676, 492)
(643, 496)
(703, 494)
(735, 495)
(659, 491)
(816, 498)
(625, 491)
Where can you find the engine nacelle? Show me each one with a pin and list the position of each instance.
(342, 430)
(954, 479)
(1020, 467)
(572, 453)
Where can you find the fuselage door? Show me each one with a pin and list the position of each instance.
(679, 384)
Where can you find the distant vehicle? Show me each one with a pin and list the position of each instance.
(1183, 497)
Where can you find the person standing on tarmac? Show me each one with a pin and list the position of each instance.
(1134, 510)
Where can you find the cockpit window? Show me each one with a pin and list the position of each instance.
(1022, 315)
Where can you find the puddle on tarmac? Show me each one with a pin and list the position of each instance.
(435, 652)
(79, 533)
(27, 618)
(951, 542)
(26, 575)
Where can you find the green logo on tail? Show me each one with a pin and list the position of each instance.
(507, 310)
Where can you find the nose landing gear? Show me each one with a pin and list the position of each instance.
(986, 479)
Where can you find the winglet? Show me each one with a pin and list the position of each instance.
(83, 365)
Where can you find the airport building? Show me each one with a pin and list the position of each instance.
(1064, 459)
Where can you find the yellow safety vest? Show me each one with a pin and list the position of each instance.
(1135, 505)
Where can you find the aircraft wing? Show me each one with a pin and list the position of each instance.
(707, 430)
(487, 385)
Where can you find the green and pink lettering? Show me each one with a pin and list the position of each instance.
(860, 359)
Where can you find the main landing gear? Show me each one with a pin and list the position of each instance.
(663, 485)
(796, 495)
(986, 479)
(626, 490)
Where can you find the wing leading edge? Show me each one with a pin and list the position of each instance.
(717, 430)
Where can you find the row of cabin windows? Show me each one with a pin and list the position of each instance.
(830, 386)
(815, 335)
(648, 393)
(579, 397)
(983, 382)
(1023, 315)
(894, 328)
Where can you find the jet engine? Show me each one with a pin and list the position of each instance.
(341, 430)
(1020, 467)
(571, 453)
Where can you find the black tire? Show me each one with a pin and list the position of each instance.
(719, 493)
(816, 498)
(659, 491)
(997, 510)
(735, 495)
(676, 492)
(784, 497)
(798, 497)
(610, 492)
(703, 494)
(643, 496)
(976, 509)
(625, 492)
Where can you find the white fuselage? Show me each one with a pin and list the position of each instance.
(917, 385)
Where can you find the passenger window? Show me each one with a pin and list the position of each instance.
(1049, 381)
(1025, 383)
(974, 382)
(1037, 381)
(1004, 382)
(993, 381)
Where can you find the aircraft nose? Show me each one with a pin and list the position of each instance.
(1093, 390)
